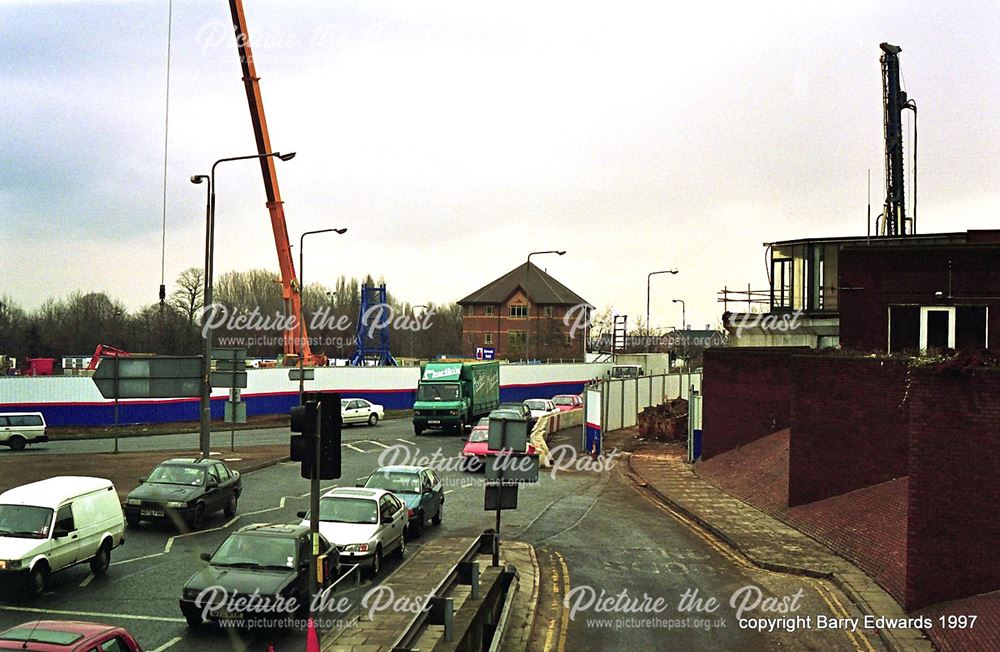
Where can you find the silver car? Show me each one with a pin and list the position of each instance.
(364, 524)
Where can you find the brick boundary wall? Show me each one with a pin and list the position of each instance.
(747, 395)
(953, 525)
(849, 425)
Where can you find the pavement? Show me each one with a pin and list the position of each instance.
(765, 541)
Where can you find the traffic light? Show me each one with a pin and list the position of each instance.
(324, 408)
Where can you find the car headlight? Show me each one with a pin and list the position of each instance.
(10, 564)
(177, 504)
(133, 501)
(455, 412)
(356, 547)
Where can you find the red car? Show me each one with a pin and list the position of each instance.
(67, 636)
(477, 447)
(565, 402)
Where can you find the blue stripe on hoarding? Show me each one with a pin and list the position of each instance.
(153, 411)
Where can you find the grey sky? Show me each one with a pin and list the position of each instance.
(452, 139)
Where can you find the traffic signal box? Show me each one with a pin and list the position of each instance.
(319, 415)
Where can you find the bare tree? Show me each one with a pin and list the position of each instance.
(189, 297)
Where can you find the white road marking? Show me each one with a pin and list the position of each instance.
(354, 448)
(88, 580)
(449, 491)
(406, 441)
(90, 614)
(168, 644)
(377, 443)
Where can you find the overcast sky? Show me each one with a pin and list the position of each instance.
(453, 138)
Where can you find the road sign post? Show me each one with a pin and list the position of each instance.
(505, 470)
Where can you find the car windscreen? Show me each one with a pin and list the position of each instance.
(256, 550)
(337, 509)
(395, 481)
(563, 400)
(437, 392)
(25, 521)
(39, 635)
(479, 435)
(191, 476)
(536, 405)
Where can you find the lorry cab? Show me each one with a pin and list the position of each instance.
(626, 371)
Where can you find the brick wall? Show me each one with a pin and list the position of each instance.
(546, 335)
(747, 395)
(849, 425)
(873, 278)
(953, 535)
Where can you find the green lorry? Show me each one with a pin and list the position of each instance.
(453, 395)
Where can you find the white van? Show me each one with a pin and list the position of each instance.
(53, 524)
(18, 429)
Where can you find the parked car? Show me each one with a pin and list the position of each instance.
(271, 560)
(520, 409)
(418, 487)
(185, 490)
(53, 524)
(68, 636)
(358, 410)
(364, 524)
(18, 429)
(477, 447)
(541, 407)
(566, 402)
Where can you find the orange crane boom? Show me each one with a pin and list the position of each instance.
(290, 290)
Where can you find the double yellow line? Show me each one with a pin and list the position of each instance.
(560, 588)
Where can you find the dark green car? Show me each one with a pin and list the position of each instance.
(267, 561)
(185, 491)
(418, 487)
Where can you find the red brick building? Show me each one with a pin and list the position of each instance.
(525, 314)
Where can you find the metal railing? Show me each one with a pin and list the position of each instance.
(749, 298)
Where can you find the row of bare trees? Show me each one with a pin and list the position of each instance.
(76, 324)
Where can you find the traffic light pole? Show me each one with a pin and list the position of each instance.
(314, 515)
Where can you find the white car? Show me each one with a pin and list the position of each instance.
(18, 429)
(364, 524)
(53, 524)
(358, 410)
(541, 407)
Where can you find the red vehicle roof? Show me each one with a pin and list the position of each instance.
(59, 636)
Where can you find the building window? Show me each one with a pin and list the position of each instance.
(517, 338)
(569, 339)
(489, 311)
(468, 310)
(519, 312)
(781, 284)
(488, 338)
(924, 328)
(549, 311)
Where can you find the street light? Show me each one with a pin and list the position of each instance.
(414, 309)
(302, 295)
(683, 316)
(648, 278)
(205, 420)
(527, 267)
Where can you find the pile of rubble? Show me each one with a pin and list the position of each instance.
(666, 422)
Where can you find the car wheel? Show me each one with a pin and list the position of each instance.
(132, 520)
(377, 562)
(17, 443)
(194, 622)
(198, 519)
(38, 579)
(417, 526)
(417, 430)
(401, 550)
(99, 563)
(230, 510)
(436, 520)
(372, 419)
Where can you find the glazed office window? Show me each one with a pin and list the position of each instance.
(518, 312)
(488, 338)
(782, 295)
(549, 311)
(489, 311)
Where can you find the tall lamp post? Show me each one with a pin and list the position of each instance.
(205, 420)
(683, 314)
(527, 268)
(648, 279)
(302, 293)
(414, 308)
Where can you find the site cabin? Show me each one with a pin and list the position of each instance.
(452, 396)
(625, 371)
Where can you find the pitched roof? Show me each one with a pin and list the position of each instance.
(539, 286)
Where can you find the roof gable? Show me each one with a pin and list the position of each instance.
(537, 284)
